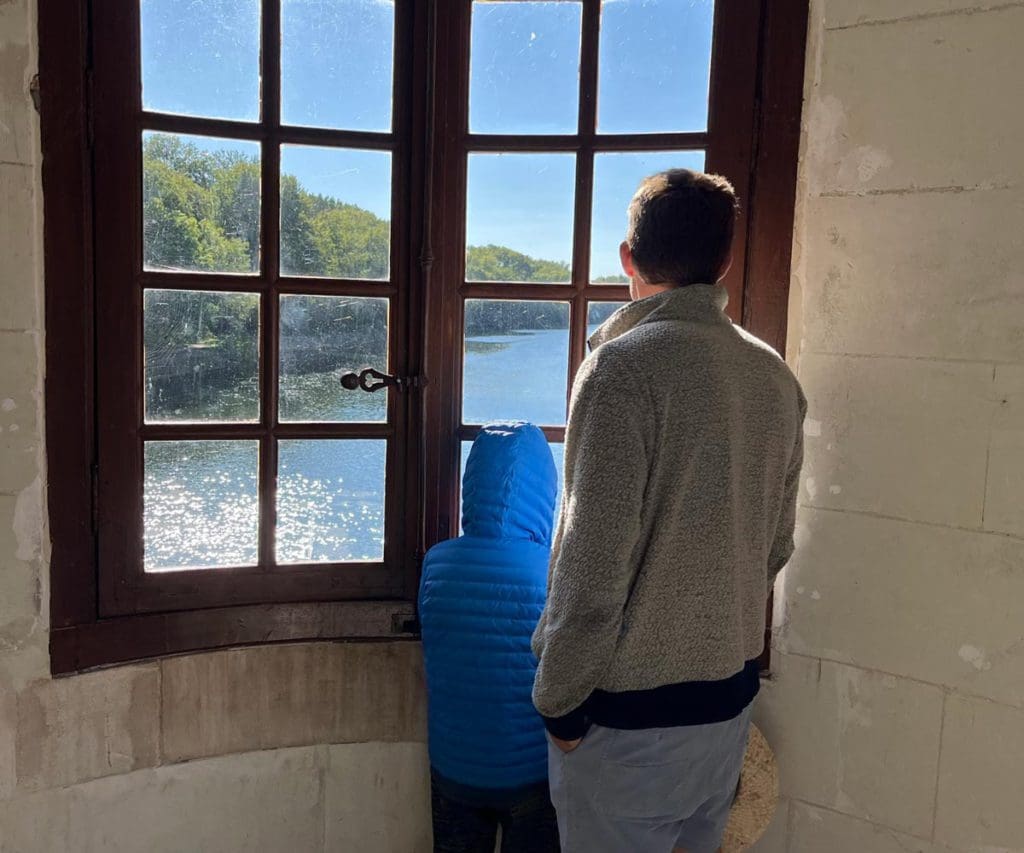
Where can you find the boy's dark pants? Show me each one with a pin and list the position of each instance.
(469, 824)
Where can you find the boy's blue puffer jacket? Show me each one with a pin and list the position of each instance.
(480, 599)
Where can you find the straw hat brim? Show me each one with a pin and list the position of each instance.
(757, 797)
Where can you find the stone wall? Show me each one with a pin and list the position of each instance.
(298, 747)
(897, 700)
(282, 748)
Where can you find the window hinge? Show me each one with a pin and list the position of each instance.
(34, 93)
(405, 623)
(94, 475)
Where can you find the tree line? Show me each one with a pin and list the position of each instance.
(201, 212)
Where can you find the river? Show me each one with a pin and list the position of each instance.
(201, 505)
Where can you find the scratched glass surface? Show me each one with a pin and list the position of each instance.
(330, 504)
(335, 212)
(200, 204)
(201, 356)
(201, 58)
(524, 67)
(519, 217)
(516, 361)
(654, 65)
(323, 337)
(337, 59)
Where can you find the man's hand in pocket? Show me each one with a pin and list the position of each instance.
(566, 746)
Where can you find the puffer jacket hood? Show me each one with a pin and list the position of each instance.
(510, 485)
(481, 596)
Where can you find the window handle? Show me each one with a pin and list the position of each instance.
(373, 380)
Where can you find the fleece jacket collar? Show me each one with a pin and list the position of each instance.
(701, 303)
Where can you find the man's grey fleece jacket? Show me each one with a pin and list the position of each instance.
(682, 464)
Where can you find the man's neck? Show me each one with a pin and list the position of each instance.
(640, 289)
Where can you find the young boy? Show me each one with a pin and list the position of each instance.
(682, 461)
(480, 599)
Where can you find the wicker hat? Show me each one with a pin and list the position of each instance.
(756, 798)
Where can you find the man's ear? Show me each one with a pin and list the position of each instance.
(725, 267)
(626, 257)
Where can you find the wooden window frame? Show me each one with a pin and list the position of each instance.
(120, 119)
(756, 145)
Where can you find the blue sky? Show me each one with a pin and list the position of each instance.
(337, 73)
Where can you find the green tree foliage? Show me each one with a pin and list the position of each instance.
(349, 242)
(497, 263)
(187, 204)
(229, 321)
(297, 254)
(236, 188)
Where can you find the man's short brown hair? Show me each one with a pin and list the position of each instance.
(681, 226)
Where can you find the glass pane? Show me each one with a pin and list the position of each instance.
(517, 361)
(336, 63)
(323, 337)
(599, 312)
(616, 179)
(201, 509)
(557, 452)
(654, 65)
(330, 500)
(202, 355)
(335, 212)
(519, 217)
(200, 203)
(201, 58)
(525, 61)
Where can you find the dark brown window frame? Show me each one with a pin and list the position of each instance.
(756, 144)
(120, 119)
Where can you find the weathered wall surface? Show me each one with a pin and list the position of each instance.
(897, 705)
(288, 748)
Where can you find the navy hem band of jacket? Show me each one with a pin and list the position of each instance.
(689, 703)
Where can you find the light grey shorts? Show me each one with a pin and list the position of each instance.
(648, 791)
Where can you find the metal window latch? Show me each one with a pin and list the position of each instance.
(373, 380)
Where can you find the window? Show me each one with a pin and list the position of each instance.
(250, 249)
(421, 199)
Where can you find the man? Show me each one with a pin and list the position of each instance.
(480, 598)
(683, 455)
